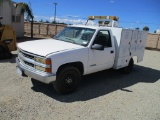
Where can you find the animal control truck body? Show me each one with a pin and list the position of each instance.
(77, 51)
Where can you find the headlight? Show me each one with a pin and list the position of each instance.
(47, 62)
(42, 60)
(40, 68)
(48, 70)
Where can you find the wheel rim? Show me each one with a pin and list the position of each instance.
(68, 80)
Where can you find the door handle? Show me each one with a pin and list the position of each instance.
(112, 51)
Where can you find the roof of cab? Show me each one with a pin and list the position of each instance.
(84, 26)
(91, 27)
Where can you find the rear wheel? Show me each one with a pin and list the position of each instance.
(67, 80)
(128, 69)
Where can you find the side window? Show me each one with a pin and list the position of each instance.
(103, 38)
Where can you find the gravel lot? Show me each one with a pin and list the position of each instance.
(107, 95)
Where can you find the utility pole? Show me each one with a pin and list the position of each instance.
(55, 13)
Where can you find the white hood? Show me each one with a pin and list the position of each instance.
(46, 46)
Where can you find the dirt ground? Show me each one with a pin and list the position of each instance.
(106, 95)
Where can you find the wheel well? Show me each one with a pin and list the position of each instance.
(78, 65)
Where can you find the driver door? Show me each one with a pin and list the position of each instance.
(101, 59)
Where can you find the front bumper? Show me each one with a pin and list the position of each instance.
(35, 74)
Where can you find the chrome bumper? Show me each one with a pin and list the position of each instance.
(35, 74)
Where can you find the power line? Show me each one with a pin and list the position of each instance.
(140, 22)
(85, 18)
(44, 4)
(118, 10)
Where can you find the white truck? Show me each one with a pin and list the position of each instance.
(77, 51)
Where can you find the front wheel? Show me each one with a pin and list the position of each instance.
(128, 69)
(67, 80)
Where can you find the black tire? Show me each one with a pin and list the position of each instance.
(2, 56)
(5, 54)
(8, 55)
(68, 79)
(128, 69)
(2, 52)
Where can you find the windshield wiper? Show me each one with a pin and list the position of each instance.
(70, 40)
(56, 38)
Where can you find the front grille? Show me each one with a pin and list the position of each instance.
(28, 60)
(27, 56)
(29, 64)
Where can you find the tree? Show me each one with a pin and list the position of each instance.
(146, 28)
(41, 21)
(137, 28)
(47, 21)
(53, 22)
(25, 9)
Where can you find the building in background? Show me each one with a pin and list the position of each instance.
(158, 31)
(11, 13)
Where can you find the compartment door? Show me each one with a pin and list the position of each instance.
(133, 42)
(141, 43)
(124, 49)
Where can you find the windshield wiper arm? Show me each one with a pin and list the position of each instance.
(56, 38)
(70, 40)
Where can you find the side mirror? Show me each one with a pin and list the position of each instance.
(97, 47)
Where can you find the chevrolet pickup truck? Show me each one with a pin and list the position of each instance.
(77, 51)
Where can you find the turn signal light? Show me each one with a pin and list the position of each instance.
(48, 70)
(48, 61)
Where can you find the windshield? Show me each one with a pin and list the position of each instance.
(75, 35)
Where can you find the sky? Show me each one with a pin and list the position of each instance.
(131, 13)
